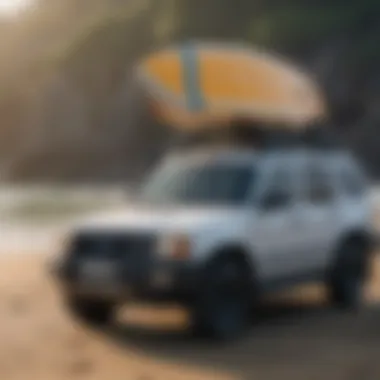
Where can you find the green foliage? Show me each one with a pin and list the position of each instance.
(93, 44)
(109, 42)
(115, 39)
(301, 26)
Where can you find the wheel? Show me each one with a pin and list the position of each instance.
(348, 275)
(222, 309)
(95, 313)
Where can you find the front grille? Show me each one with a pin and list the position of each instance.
(112, 245)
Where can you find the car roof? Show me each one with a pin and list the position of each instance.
(216, 154)
(239, 154)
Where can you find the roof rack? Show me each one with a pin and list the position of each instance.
(316, 137)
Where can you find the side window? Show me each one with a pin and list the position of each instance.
(351, 181)
(319, 185)
(278, 194)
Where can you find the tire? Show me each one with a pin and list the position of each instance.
(347, 278)
(91, 312)
(222, 309)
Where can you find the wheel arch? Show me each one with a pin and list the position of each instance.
(357, 235)
(235, 252)
(353, 236)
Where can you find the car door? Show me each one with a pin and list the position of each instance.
(319, 204)
(275, 235)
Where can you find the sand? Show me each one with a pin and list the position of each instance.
(304, 341)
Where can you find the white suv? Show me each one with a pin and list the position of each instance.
(216, 229)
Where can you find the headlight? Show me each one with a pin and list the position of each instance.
(174, 246)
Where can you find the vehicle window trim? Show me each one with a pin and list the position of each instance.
(268, 171)
(322, 164)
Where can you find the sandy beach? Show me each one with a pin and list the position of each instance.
(302, 340)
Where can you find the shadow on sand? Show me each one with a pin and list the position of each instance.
(287, 341)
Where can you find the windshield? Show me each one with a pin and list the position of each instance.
(216, 183)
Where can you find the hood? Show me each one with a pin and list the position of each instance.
(158, 219)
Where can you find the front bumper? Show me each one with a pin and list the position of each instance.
(163, 280)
